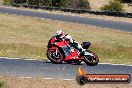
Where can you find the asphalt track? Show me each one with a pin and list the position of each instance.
(75, 19)
(35, 68)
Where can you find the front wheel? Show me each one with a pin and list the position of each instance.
(91, 60)
(55, 56)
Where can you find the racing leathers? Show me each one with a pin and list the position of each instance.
(60, 35)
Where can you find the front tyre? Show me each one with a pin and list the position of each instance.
(91, 60)
(55, 56)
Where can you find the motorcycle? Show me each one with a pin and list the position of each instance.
(60, 51)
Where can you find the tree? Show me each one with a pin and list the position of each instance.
(19, 1)
(59, 3)
(33, 2)
(45, 2)
(84, 4)
(7, 2)
(129, 2)
(72, 4)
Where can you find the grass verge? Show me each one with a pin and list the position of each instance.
(1, 84)
(27, 37)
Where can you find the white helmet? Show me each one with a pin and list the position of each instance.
(68, 37)
(60, 32)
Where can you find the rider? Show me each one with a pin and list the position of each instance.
(61, 35)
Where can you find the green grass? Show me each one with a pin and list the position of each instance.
(27, 37)
(115, 55)
(22, 50)
(1, 84)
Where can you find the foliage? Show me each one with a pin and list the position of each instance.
(125, 1)
(113, 6)
(20, 1)
(7, 2)
(119, 0)
(33, 2)
(83, 4)
(129, 2)
(1, 84)
(45, 3)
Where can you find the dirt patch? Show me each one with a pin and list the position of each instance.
(97, 4)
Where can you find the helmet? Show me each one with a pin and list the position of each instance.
(60, 33)
(68, 37)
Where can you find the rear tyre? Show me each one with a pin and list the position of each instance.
(91, 60)
(55, 56)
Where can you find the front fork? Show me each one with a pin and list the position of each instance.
(56, 52)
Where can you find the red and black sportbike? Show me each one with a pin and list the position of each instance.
(60, 51)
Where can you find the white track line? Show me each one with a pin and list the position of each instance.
(16, 58)
(42, 60)
(46, 78)
(49, 78)
(68, 79)
(29, 59)
(42, 18)
(25, 77)
(9, 58)
(62, 79)
(115, 64)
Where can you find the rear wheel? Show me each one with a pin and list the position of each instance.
(55, 56)
(91, 60)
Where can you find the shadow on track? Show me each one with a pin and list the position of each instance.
(47, 61)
